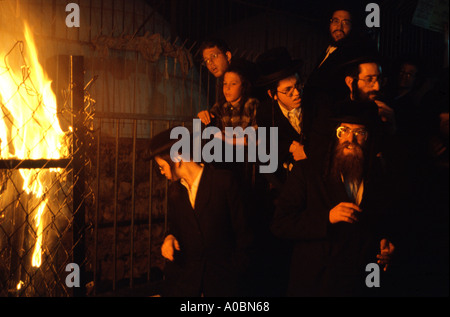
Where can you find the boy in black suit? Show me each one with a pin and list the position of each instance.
(281, 95)
(208, 240)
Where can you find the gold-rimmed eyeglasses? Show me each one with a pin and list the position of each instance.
(344, 132)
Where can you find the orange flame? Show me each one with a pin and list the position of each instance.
(30, 129)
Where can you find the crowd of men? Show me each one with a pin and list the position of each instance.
(360, 180)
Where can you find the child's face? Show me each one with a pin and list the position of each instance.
(232, 87)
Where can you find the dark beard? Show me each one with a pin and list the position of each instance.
(341, 42)
(350, 166)
(358, 95)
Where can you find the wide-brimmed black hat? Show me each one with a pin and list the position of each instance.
(356, 112)
(161, 143)
(357, 59)
(274, 65)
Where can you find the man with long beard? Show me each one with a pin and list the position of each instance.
(337, 214)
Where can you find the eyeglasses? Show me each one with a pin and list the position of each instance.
(344, 132)
(211, 58)
(336, 21)
(158, 168)
(406, 74)
(371, 80)
(289, 92)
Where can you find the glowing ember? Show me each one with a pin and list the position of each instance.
(19, 285)
(30, 128)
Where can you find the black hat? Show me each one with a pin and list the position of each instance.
(161, 143)
(358, 59)
(356, 112)
(274, 65)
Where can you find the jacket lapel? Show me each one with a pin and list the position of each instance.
(283, 123)
(204, 190)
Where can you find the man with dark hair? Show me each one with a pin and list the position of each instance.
(336, 214)
(209, 239)
(363, 77)
(216, 57)
(346, 41)
(281, 106)
(405, 96)
(323, 86)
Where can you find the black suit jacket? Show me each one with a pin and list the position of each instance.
(328, 259)
(215, 239)
(270, 115)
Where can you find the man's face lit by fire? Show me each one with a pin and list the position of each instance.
(340, 25)
(216, 61)
(289, 92)
(366, 86)
(348, 161)
(351, 138)
(166, 169)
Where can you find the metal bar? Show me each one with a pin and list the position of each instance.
(149, 265)
(97, 207)
(166, 190)
(116, 185)
(79, 150)
(131, 116)
(30, 164)
(133, 203)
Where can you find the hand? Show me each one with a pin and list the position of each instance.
(386, 113)
(386, 252)
(346, 212)
(205, 116)
(169, 246)
(297, 150)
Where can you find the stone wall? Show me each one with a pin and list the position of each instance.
(143, 252)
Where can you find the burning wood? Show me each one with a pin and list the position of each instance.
(33, 152)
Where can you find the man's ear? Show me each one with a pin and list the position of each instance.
(228, 55)
(274, 97)
(349, 81)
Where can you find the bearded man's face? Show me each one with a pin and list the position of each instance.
(348, 159)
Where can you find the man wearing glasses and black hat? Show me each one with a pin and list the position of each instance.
(337, 214)
(279, 79)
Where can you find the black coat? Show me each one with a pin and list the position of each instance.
(325, 85)
(328, 259)
(215, 238)
(270, 115)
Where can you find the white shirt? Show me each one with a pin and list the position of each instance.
(354, 191)
(296, 113)
(192, 190)
(330, 50)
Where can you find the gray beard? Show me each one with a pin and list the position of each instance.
(350, 166)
